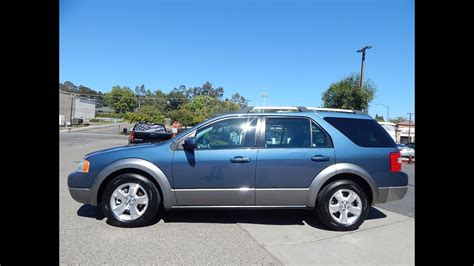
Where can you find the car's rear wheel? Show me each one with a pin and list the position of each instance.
(342, 205)
(130, 200)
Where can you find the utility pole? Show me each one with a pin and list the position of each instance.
(362, 67)
(72, 108)
(409, 128)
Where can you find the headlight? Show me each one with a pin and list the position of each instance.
(83, 167)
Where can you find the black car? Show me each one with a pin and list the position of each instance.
(149, 132)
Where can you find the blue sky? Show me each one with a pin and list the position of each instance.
(293, 50)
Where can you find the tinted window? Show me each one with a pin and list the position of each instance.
(363, 132)
(287, 133)
(227, 134)
(320, 139)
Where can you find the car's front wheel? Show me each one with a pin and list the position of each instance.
(342, 205)
(130, 200)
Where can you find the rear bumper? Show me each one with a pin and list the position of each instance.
(387, 194)
(81, 195)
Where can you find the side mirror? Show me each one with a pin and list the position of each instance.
(189, 143)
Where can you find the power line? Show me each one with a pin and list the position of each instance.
(142, 97)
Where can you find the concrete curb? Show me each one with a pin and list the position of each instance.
(90, 127)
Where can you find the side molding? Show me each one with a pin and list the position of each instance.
(335, 169)
(169, 198)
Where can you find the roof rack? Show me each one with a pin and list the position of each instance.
(281, 109)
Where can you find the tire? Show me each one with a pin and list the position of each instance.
(130, 200)
(347, 213)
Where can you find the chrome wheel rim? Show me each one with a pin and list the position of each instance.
(129, 201)
(345, 206)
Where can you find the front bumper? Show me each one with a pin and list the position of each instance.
(387, 194)
(81, 195)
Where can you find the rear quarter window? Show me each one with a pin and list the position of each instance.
(363, 132)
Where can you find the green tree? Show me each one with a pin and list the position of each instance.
(222, 107)
(82, 90)
(183, 116)
(140, 92)
(238, 99)
(347, 94)
(175, 99)
(398, 119)
(379, 118)
(121, 99)
(147, 113)
(200, 107)
(205, 90)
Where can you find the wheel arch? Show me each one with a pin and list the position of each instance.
(342, 171)
(134, 165)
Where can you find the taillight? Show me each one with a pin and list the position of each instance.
(132, 136)
(395, 162)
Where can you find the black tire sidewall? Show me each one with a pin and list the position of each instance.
(154, 200)
(324, 197)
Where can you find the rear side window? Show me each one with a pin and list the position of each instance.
(287, 133)
(363, 132)
(320, 139)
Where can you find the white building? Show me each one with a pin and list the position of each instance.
(73, 106)
(406, 132)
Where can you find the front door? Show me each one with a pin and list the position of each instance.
(293, 152)
(220, 171)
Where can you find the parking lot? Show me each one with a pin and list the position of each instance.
(224, 236)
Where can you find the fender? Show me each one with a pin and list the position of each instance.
(335, 169)
(169, 198)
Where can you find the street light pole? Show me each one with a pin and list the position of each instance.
(362, 66)
(388, 110)
(264, 96)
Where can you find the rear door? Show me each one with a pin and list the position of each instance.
(292, 151)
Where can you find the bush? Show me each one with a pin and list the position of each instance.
(94, 120)
(111, 115)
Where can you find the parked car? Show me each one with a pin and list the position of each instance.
(411, 145)
(406, 151)
(149, 132)
(336, 163)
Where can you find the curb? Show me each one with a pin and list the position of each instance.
(90, 127)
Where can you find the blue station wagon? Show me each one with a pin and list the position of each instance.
(335, 162)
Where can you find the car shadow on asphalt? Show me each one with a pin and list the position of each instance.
(90, 211)
(270, 217)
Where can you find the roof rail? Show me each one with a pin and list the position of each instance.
(261, 109)
(330, 110)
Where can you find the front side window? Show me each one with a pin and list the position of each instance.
(227, 134)
(287, 133)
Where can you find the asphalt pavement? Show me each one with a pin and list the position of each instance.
(406, 205)
(224, 236)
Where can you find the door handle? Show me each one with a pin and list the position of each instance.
(240, 159)
(320, 158)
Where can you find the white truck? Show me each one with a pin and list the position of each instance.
(390, 128)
